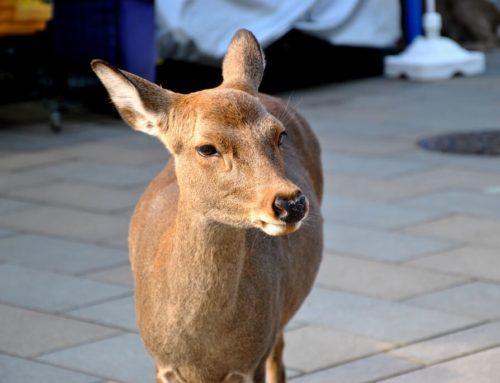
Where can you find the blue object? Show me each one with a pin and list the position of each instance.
(413, 19)
(119, 31)
(137, 38)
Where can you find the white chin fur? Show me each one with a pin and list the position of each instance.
(278, 229)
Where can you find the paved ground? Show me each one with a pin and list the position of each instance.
(409, 290)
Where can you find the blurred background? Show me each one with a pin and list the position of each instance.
(46, 46)
(409, 289)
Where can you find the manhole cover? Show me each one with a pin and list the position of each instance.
(485, 143)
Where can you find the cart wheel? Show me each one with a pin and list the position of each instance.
(55, 121)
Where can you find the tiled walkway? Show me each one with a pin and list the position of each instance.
(409, 290)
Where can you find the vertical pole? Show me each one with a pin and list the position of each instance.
(413, 19)
(432, 20)
(430, 6)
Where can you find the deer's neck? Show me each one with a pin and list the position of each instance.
(205, 264)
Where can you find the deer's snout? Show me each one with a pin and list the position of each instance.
(290, 210)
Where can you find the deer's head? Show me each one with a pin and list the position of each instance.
(228, 150)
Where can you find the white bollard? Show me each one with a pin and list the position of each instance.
(434, 57)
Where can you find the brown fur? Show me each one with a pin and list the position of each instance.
(213, 292)
(472, 23)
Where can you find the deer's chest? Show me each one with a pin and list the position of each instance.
(201, 321)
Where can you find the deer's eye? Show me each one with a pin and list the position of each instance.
(282, 136)
(207, 151)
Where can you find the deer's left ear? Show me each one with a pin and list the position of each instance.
(142, 104)
(244, 63)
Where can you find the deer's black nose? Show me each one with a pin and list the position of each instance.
(290, 210)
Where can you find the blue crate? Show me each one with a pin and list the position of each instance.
(119, 31)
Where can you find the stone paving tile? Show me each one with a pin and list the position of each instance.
(475, 261)
(365, 146)
(452, 345)
(119, 313)
(111, 153)
(84, 196)
(65, 222)
(482, 367)
(369, 167)
(120, 275)
(311, 348)
(54, 254)
(50, 291)
(379, 244)
(380, 279)
(463, 228)
(425, 182)
(120, 242)
(6, 233)
(373, 122)
(470, 163)
(16, 370)
(98, 130)
(123, 358)
(126, 215)
(14, 181)
(476, 299)
(457, 202)
(360, 371)
(32, 136)
(410, 185)
(9, 205)
(37, 333)
(136, 139)
(377, 319)
(101, 174)
(357, 187)
(33, 159)
(293, 325)
(290, 373)
(338, 209)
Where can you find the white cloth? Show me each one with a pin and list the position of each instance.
(202, 29)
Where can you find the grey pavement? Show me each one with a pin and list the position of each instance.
(409, 289)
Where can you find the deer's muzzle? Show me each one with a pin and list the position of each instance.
(290, 210)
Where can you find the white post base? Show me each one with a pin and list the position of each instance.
(434, 58)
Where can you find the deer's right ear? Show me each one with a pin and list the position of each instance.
(243, 65)
(142, 104)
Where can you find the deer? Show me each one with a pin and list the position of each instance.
(226, 241)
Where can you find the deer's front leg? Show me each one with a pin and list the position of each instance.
(275, 369)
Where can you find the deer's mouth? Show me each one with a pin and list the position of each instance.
(277, 229)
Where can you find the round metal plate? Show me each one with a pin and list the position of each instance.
(486, 143)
